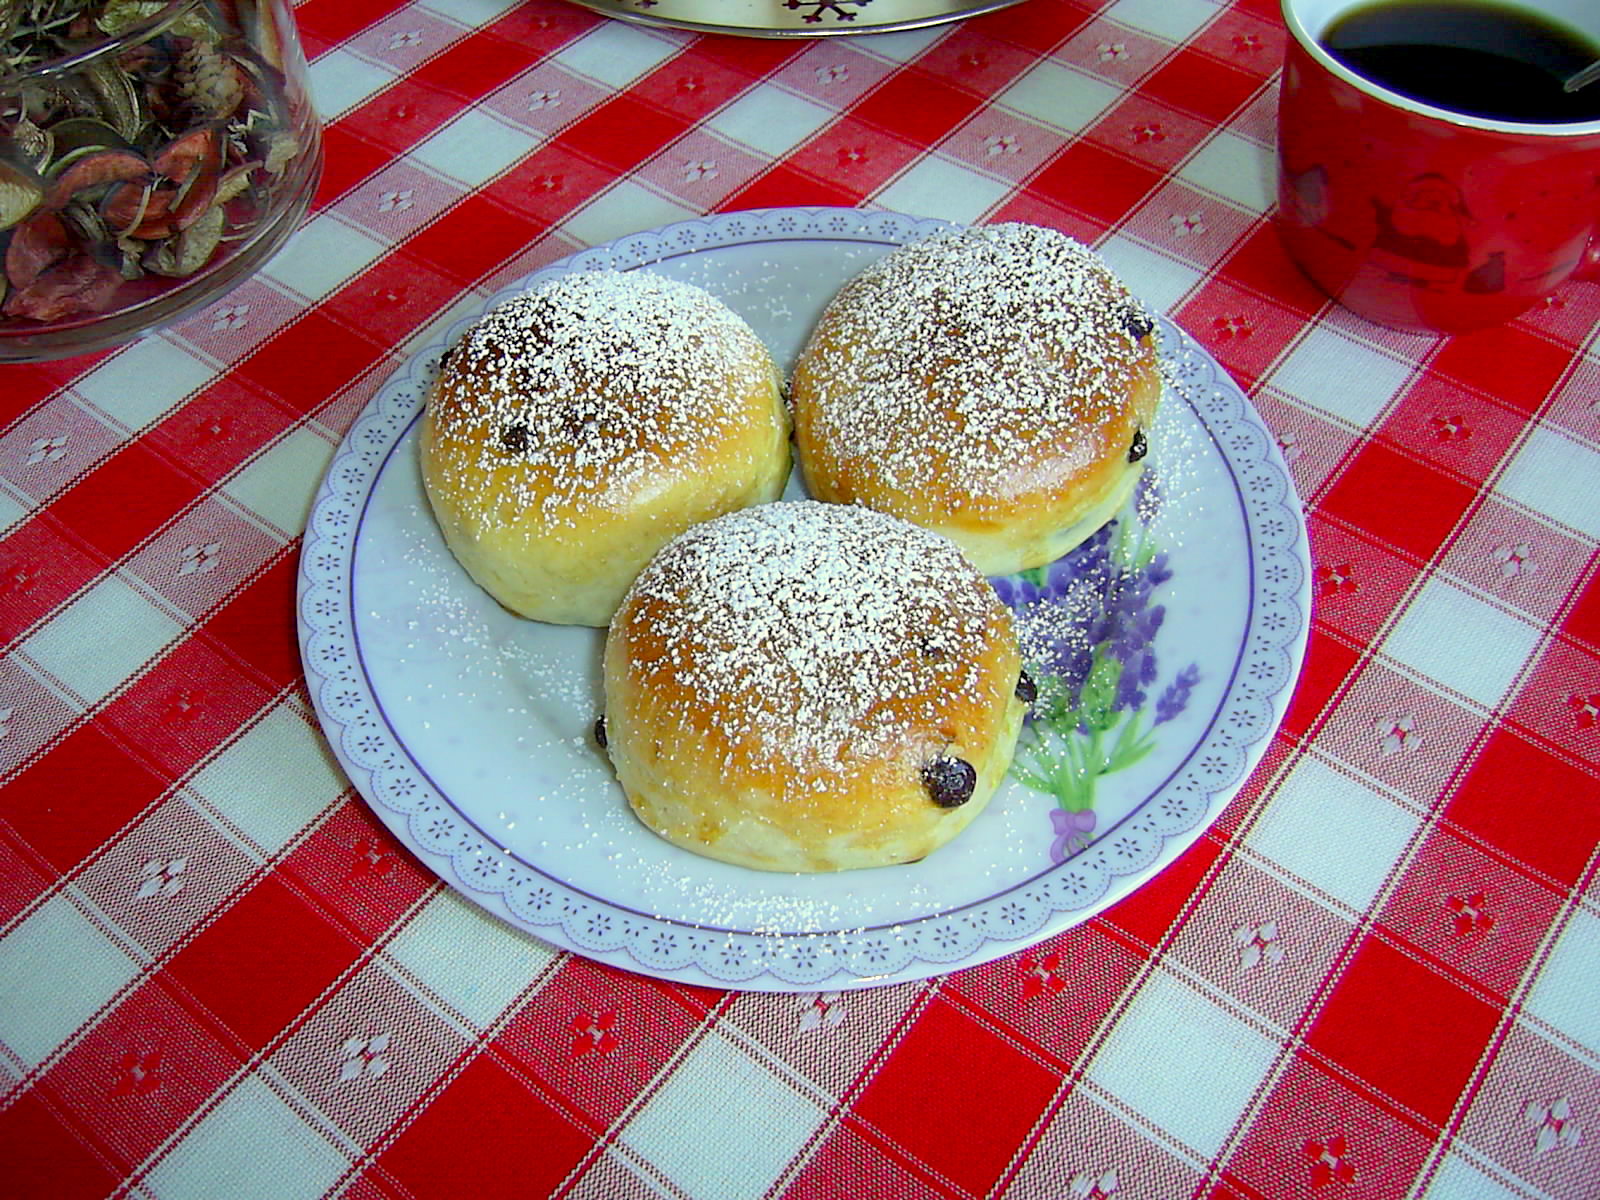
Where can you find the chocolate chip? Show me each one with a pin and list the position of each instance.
(444, 359)
(950, 781)
(600, 732)
(930, 649)
(1137, 322)
(1027, 689)
(514, 438)
(1139, 448)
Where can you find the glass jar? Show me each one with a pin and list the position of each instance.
(152, 155)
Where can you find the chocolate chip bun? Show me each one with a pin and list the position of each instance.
(811, 687)
(575, 429)
(992, 383)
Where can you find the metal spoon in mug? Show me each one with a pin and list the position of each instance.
(1583, 78)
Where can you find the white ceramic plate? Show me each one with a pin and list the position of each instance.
(467, 729)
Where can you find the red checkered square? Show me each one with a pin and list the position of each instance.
(850, 1164)
(330, 22)
(1533, 1115)
(1154, 911)
(548, 185)
(1329, 667)
(622, 133)
(352, 156)
(361, 876)
(1583, 618)
(1202, 85)
(46, 449)
(1524, 564)
(834, 75)
(1259, 265)
(244, 318)
(1403, 1029)
(701, 170)
(1566, 315)
(916, 105)
(1401, 733)
(1024, 206)
(1509, 363)
(598, 1036)
(48, 1160)
(854, 155)
(1149, 131)
(1242, 332)
(949, 1043)
(397, 119)
(40, 568)
(202, 557)
(755, 59)
(221, 428)
(473, 239)
(394, 297)
(399, 200)
(976, 60)
(1451, 427)
(1312, 446)
(23, 879)
(1095, 181)
(1560, 702)
(115, 506)
(1089, 1151)
(1038, 27)
(310, 360)
(261, 963)
(1244, 41)
(1267, 945)
(1003, 143)
(500, 1116)
(1573, 407)
(1364, 497)
(1190, 226)
(784, 185)
(542, 29)
(28, 384)
(1056, 994)
(1355, 585)
(35, 715)
(252, 628)
(546, 99)
(690, 86)
(1559, 843)
(475, 66)
(1118, 53)
(1315, 1137)
(1470, 911)
(144, 1069)
(90, 761)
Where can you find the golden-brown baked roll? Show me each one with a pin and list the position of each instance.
(992, 383)
(811, 687)
(577, 428)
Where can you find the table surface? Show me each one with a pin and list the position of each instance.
(1374, 976)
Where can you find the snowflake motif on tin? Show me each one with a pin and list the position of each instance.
(199, 558)
(162, 877)
(833, 73)
(1089, 1185)
(363, 1058)
(1258, 944)
(1111, 51)
(1554, 1125)
(403, 39)
(229, 317)
(695, 171)
(138, 1074)
(1088, 625)
(814, 10)
(1468, 914)
(824, 1011)
(547, 99)
(1042, 975)
(397, 201)
(1515, 561)
(1186, 224)
(1330, 1161)
(592, 1033)
(47, 449)
(997, 144)
(1396, 735)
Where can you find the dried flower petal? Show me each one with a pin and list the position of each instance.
(75, 286)
(97, 169)
(36, 245)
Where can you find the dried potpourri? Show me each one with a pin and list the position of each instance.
(124, 170)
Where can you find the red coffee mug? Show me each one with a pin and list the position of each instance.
(1420, 218)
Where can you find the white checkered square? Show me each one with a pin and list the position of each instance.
(1159, 281)
(1340, 376)
(938, 187)
(1564, 995)
(1465, 643)
(144, 381)
(1175, 20)
(279, 486)
(108, 633)
(1457, 1179)
(1059, 97)
(1235, 169)
(770, 120)
(616, 54)
(321, 255)
(341, 80)
(273, 781)
(468, 959)
(724, 1126)
(1542, 474)
(473, 13)
(1196, 1095)
(1333, 832)
(623, 208)
(56, 970)
(475, 147)
(251, 1146)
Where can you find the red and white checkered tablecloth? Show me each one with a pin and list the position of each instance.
(1377, 975)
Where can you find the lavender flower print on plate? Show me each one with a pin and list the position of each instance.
(1088, 624)
(1171, 639)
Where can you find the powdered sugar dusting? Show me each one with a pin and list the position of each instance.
(1005, 348)
(813, 634)
(596, 384)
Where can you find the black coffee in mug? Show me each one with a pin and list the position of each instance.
(1480, 59)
